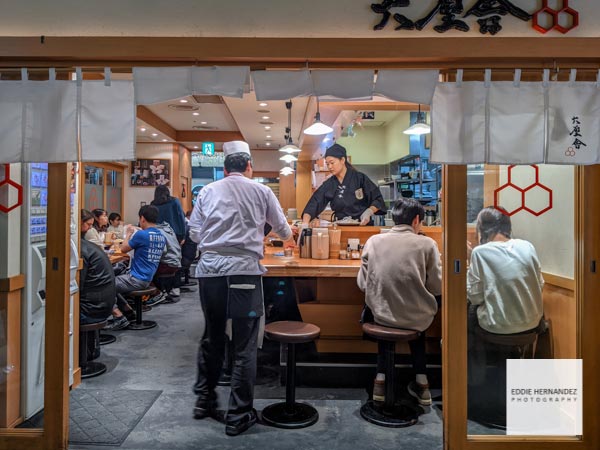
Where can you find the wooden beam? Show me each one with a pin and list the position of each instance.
(207, 136)
(144, 114)
(12, 283)
(297, 52)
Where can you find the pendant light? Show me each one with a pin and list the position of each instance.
(289, 147)
(420, 126)
(286, 171)
(318, 128)
(288, 158)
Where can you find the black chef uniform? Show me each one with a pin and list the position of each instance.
(350, 198)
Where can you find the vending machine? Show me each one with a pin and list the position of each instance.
(34, 218)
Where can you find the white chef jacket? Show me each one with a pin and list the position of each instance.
(228, 223)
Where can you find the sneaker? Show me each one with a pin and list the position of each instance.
(420, 392)
(118, 323)
(204, 408)
(238, 427)
(158, 298)
(130, 315)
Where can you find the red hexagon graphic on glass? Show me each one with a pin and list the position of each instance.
(6, 187)
(523, 193)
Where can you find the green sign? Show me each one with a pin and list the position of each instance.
(208, 148)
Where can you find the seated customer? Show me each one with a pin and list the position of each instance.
(96, 233)
(148, 244)
(401, 276)
(96, 279)
(170, 264)
(115, 225)
(504, 280)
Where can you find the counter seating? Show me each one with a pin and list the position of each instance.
(138, 296)
(390, 414)
(89, 369)
(291, 414)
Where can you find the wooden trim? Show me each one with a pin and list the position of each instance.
(211, 136)
(297, 52)
(557, 280)
(10, 321)
(13, 283)
(145, 115)
(454, 309)
(56, 387)
(76, 376)
(22, 439)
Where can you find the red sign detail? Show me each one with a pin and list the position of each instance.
(553, 16)
(8, 184)
(521, 196)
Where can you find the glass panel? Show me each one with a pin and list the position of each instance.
(114, 186)
(522, 305)
(93, 189)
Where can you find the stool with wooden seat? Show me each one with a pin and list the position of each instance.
(389, 414)
(86, 332)
(291, 414)
(488, 400)
(137, 296)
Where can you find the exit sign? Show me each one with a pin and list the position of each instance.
(208, 148)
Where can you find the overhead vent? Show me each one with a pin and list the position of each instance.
(182, 107)
(204, 127)
(217, 99)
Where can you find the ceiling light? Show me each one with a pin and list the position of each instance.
(195, 114)
(288, 158)
(420, 126)
(267, 127)
(165, 140)
(263, 104)
(269, 136)
(318, 128)
(142, 129)
(267, 143)
(154, 134)
(203, 123)
(285, 171)
(183, 100)
(265, 117)
(289, 147)
(195, 146)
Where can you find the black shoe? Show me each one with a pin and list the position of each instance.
(204, 408)
(130, 315)
(238, 427)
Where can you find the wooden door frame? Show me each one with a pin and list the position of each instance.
(260, 53)
(454, 312)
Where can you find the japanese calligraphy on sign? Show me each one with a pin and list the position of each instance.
(576, 134)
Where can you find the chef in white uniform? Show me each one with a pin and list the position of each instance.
(227, 222)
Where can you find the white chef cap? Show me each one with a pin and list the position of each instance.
(229, 148)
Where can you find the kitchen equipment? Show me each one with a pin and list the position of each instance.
(429, 218)
(335, 235)
(305, 243)
(320, 243)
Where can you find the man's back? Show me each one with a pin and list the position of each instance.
(149, 245)
(401, 275)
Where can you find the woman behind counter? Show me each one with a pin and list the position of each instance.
(349, 192)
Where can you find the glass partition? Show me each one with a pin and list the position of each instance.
(523, 378)
(93, 188)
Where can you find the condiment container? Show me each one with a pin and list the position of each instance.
(335, 235)
(320, 243)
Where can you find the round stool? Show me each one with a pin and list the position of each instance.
(488, 400)
(106, 338)
(89, 369)
(291, 414)
(389, 414)
(137, 296)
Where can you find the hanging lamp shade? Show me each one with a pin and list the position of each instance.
(288, 158)
(318, 128)
(419, 127)
(289, 147)
(286, 171)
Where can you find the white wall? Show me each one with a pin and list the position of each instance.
(267, 160)
(242, 18)
(552, 233)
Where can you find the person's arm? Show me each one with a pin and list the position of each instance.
(179, 226)
(126, 245)
(374, 199)
(433, 282)
(197, 218)
(92, 236)
(474, 281)
(316, 204)
(363, 272)
(277, 220)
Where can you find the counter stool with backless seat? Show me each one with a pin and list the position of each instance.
(390, 414)
(488, 404)
(138, 296)
(86, 334)
(291, 414)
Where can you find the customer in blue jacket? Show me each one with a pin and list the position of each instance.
(170, 211)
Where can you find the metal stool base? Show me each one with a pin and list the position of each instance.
(107, 339)
(397, 417)
(280, 415)
(92, 369)
(145, 325)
